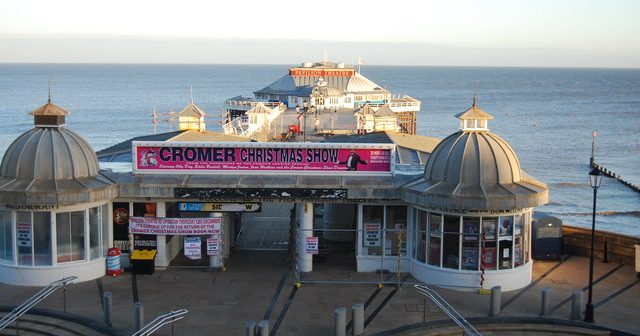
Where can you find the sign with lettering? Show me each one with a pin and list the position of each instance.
(23, 231)
(175, 226)
(256, 158)
(322, 72)
(311, 245)
(192, 248)
(372, 234)
(220, 207)
(213, 246)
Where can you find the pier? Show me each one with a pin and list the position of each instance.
(606, 172)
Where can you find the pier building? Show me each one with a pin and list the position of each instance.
(453, 213)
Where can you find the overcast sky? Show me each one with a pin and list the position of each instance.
(579, 33)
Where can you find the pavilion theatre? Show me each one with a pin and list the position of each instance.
(453, 213)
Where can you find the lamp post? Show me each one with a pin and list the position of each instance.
(306, 109)
(596, 179)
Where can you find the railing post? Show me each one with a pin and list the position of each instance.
(250, 328)
(138, 316)
(357, 311)
(576, 304)
(545, 309)
(107, 306)
(263, 328)
(496, 300)
(340, 315)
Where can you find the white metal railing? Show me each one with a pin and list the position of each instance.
(161, 321)
(250, 103)
(447, 309)
(34, 300)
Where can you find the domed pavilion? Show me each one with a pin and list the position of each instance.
(54, 205)
(473, 211)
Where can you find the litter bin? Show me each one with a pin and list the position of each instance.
(143, 261)
(546, 237)
(113, 261)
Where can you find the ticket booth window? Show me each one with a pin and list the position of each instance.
(6, 236)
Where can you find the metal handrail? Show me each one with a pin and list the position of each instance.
(161, 321)
(34, 300)
(448, 309)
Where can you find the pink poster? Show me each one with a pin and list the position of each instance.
(170, 157)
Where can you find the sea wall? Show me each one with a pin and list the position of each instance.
(618, 247)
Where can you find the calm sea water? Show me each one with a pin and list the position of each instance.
(547, 115)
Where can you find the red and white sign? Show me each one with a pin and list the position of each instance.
(175, 226)
(322, 72)
(213, 246)
(311, 245)
(256, 158)
(372, 234)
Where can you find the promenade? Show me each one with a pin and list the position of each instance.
(259, 285)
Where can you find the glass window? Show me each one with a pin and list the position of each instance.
(470, 243)
(24, 238)
(70, 236)
(94, 233)
(395, 233)
(488, 249)
(506, 242)
(421, 236)
(435, 238)
(518, 246)
(104, 210)
(451, 242)
(372, 224)
(42, 238)
(6, 236)
(527, 235)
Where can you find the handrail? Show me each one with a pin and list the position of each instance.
(34, 300)
(448, 309)
(161, 321)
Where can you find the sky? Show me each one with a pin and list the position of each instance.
(566, 33)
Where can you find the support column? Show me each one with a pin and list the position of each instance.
(217, 261)
(162, 259)
(305, 229)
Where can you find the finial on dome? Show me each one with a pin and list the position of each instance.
(49, 114)
(474, 119)
(49, 100)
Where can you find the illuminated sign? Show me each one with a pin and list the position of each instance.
(322, 72)
(220, 207)
(256, 158)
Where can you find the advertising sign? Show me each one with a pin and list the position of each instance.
(311, 245)
(220, 207)
(322, 72)
(24, 234)
(256, 158)
(372, 234)
(213, 246)
(192, 248)
(175, 226)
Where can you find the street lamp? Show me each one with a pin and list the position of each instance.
(306, 109)
(596, 179)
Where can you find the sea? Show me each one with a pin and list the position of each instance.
(546, 114)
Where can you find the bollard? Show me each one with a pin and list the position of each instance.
(545, 310)
(138, 316)
(496, 300)
(341, 321)
(263, 328)
(576, 305)
(250, 328)
(107, 306)
(357, 311)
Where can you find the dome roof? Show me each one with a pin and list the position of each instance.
(474, 169)
(52, 165)
(49, 153)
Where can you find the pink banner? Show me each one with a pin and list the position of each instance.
(186, 158)
(175, 226)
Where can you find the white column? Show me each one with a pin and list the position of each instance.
(162, 259)
(218, 261)
(305, 229)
